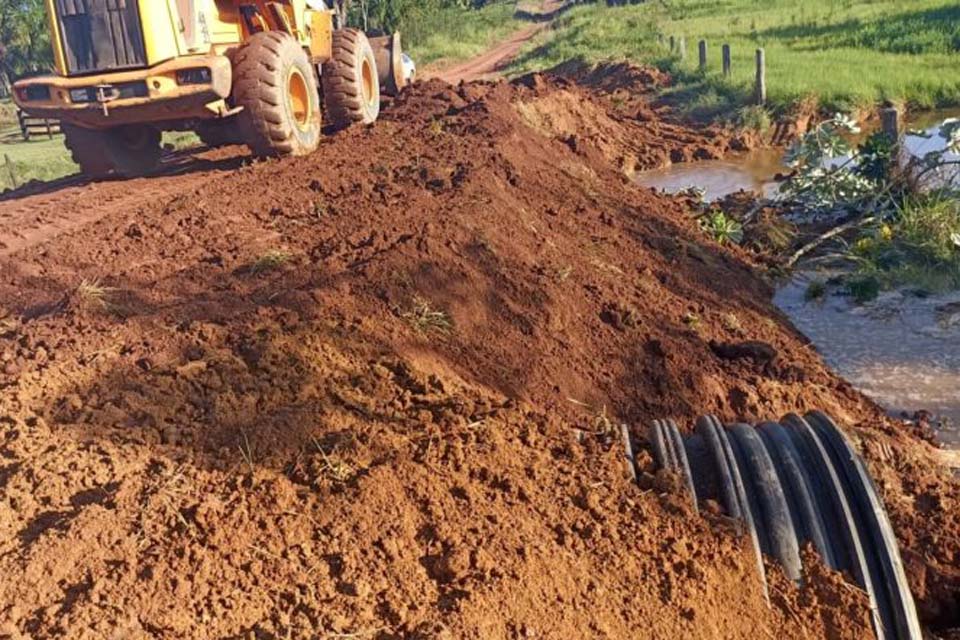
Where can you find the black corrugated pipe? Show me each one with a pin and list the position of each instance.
(790, 482)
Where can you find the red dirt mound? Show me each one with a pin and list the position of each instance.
(374, 393)
(616, 119)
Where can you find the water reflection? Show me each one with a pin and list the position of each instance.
(929, 141)
(755, 171)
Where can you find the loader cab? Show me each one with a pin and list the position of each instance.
(105, 36)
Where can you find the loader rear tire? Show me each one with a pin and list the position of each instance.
(276, 84)
(126, 151)
(351, 86)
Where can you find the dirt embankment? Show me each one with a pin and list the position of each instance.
(371, 394)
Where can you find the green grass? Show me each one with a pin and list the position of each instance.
(849, 53)
(44, 159)
(594, 33)
(40, 159)
(919, 248)
(455, 34)
(180, 140)
(8, 114)
(930, 226)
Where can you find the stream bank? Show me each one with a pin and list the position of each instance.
(899, 349)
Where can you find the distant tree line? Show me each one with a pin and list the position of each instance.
(24, 40)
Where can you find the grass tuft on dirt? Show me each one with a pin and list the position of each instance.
(272, 259)
(94, 295)
(426, 320)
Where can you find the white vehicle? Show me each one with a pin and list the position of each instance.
(409, 68)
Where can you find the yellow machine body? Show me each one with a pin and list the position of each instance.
(171, 66)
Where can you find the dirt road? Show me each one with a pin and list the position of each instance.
(490, 63)
(37, 213)
(375, 392)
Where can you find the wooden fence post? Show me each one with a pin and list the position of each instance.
(683, 48)
(24, 130)
(673, 44)
(703, 55)
(760, 91)
(890, 121)
(726, 60)
(13, 175)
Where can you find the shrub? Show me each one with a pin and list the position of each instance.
(721, 227)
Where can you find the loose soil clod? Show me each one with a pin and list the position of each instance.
(290, 455)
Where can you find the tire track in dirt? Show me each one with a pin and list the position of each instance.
(46, 211)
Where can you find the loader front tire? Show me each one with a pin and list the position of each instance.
(86, 147)
(134, 149)
(126, 151)
(220, 133)
(351, 86)
(276, 85)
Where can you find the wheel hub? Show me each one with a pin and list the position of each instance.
(366, 73)
(299, 95)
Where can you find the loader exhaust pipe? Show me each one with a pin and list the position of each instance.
(388, 54)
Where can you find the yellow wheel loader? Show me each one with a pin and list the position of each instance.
(235, 71)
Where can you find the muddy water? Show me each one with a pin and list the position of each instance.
(753, 171)
(901, 350)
